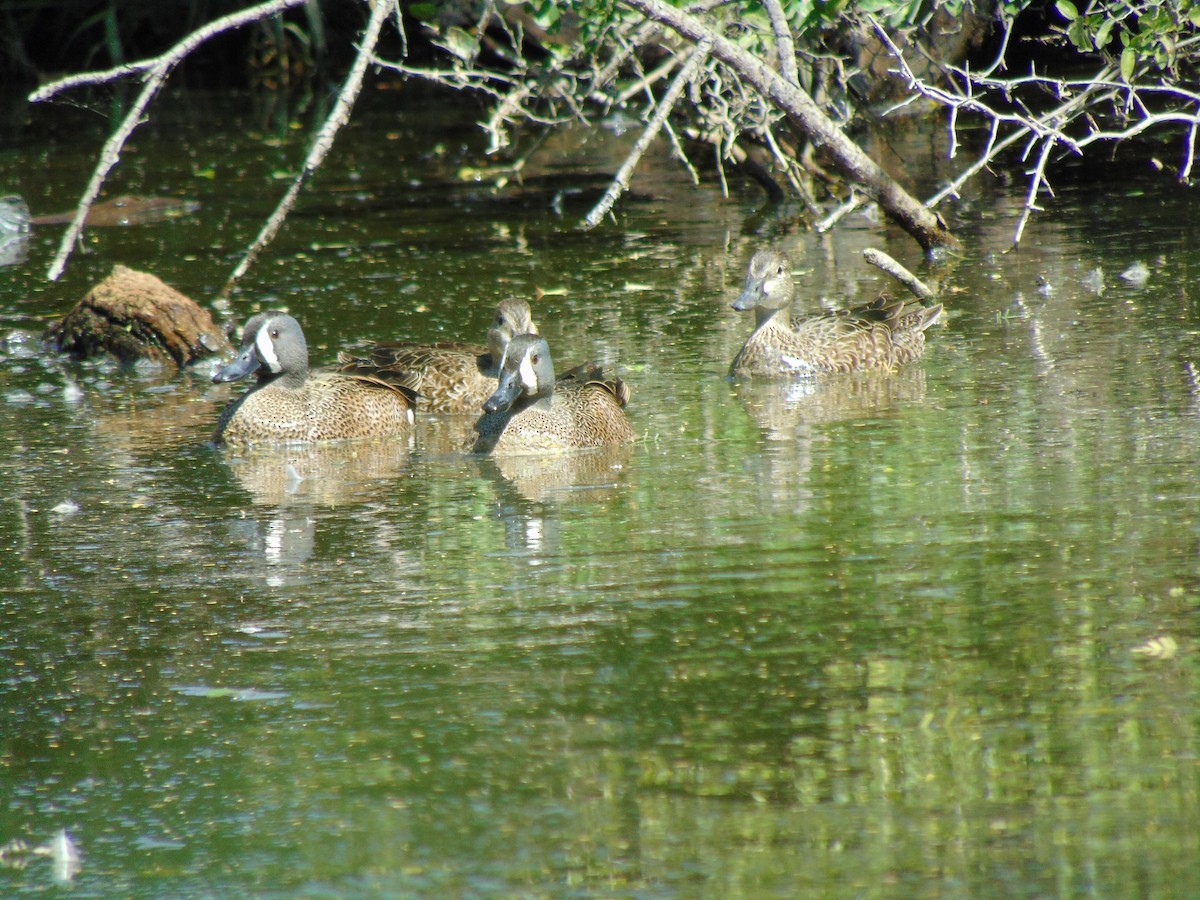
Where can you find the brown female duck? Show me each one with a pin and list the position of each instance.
(877, 337)
(451, 377)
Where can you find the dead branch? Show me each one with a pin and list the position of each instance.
(621, 182)
(157, 71)
(882, 261)
(922, 223)
(338, 117)
(173, 56)
(1071, 124)
(785, 48)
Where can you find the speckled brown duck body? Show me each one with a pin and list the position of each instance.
(449, 376)
(527, 414)
(290, 405)
(880, 336)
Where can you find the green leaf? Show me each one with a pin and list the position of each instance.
(1067, 10)
(1104, 34)
(1129, 60)
(1078, 34)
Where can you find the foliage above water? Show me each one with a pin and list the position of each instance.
(772, 90)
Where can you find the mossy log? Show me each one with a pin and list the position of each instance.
(133, 315)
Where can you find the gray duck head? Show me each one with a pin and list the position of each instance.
(526, 373)
(272, 345)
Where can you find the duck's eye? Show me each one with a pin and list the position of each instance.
(274, 332)
(780, 272)
(534, 359)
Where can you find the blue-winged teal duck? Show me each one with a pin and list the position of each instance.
(451, 377)
(289, 404)
(882, 335)
(527, 415)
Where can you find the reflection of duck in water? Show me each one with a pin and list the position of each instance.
(585, 477)
(880, 336)
(322, 474)
(451, 377)
(526, 414)
(780, 407)
(288, 404)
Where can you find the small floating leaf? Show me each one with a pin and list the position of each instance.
(1163, 647)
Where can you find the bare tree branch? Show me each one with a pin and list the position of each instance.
(882, 261)
(173, 56)
(324, 140)
(920, 222)
(784, 47)
(157, 71)
(1007, 105)
(621, 182)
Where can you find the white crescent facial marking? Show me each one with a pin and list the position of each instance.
(266, 350)
(528, 376)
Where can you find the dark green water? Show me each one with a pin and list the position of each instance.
(868, 638)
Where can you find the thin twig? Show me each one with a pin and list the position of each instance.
(621, 182)
(1035, 183)
(826, 224)
(324, 140)
(172, 56)
(108, 158)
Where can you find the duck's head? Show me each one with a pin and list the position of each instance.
(768, 283)
(273, 346)
(525, 372)
(513, 317)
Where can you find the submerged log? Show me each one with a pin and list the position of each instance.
(126, 210)
(133, 315)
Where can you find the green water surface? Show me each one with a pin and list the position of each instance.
(861, 638)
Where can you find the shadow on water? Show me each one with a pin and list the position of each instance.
(863, 636)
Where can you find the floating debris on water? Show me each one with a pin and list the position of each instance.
(1094, 281)
(1163, 647)
(1137, 274)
